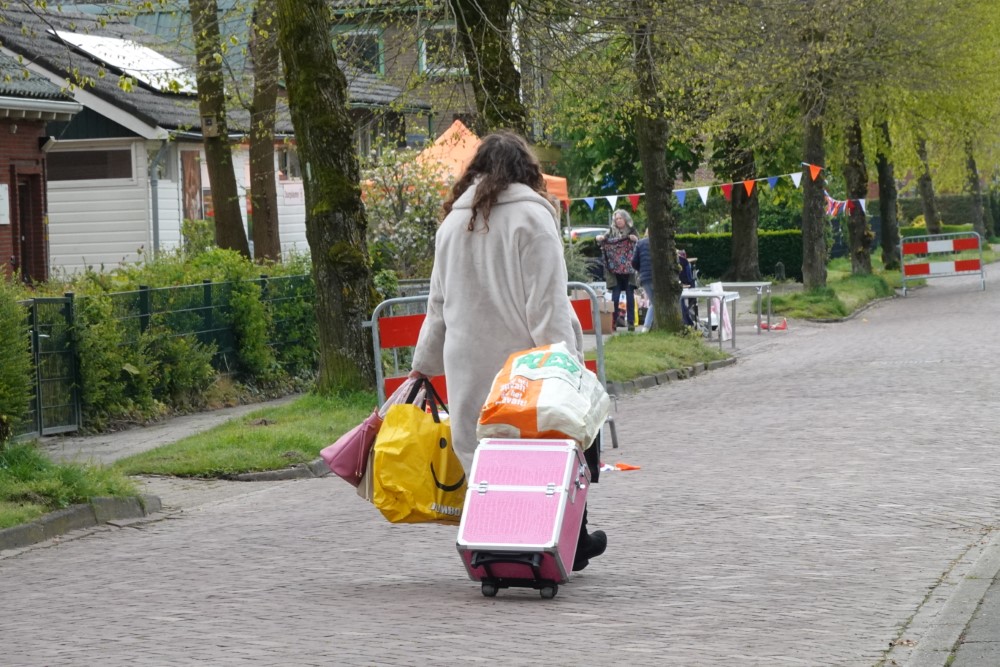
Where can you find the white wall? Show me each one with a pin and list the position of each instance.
(105, 222)
(99, 222)
(291, 203)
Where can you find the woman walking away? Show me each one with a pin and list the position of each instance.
(498, 286)
(618, 246)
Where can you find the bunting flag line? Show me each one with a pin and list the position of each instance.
(703, 191)
(835, 207)
(814, 169)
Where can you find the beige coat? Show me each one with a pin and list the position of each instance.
(492, 293)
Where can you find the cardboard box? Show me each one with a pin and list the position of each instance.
(606, 323)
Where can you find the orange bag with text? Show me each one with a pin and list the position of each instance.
(544, 392)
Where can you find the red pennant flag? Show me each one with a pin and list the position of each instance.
(850, 206)
(634, 200)
(814, 171)
(565, 204)
(749, 186)
(727, 191)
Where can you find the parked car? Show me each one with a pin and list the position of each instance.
(580, 233)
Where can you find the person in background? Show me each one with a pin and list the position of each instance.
(498, 286)
(689, 307)
(617, 248)
(642, 262)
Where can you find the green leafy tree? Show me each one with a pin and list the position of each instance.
(336, 225)
(403, 203)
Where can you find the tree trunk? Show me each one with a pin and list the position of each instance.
(887, 202)
(976, 190)
(744, 260)
(653, 136)
(335, 216)
(263, 190)
(484, 31)
(814, 252)
(860, 237)
(229, 230)
(926, 186)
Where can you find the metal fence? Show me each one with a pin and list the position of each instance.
(203, 312)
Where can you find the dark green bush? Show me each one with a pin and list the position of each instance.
(116, 372)
(907, 232)
(15, 361)
(713, 252)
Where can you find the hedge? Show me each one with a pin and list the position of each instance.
(713, 251)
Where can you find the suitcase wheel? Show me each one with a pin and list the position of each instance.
(489, 589)
(549, 592)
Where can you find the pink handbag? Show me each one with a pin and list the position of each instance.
(348, 456)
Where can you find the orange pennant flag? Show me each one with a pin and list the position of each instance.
(814, 171)
(749, 186)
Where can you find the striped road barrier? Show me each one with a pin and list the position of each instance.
(933, 256)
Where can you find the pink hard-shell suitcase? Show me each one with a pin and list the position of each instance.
(522, 514)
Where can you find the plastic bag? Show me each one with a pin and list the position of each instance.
(416, 475)
(544, 392)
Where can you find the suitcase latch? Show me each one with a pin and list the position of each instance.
(483, 486)
(550, 489)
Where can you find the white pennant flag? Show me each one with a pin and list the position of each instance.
(703, 193)
(796, 178)
(863, 209)
(613, 200)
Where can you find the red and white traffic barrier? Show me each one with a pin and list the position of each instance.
(937, 245)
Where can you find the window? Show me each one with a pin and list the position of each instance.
(90, 165)
(440, 53)
(288, 163)
(361, 49)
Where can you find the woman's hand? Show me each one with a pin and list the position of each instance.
(416, 375)
(634, 238)
(599, 237)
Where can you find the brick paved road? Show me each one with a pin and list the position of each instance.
(795, 509)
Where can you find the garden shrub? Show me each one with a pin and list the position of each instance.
(15, 361)
(115, 369)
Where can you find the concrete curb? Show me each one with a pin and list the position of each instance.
(316, 468)
(665, 377)
(949, 608)
(85, 515)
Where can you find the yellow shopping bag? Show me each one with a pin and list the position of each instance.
(416, 475)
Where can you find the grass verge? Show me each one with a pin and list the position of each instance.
(845, 293)
(31, 485)
(275, 438)
(266, 439)
(631, 355)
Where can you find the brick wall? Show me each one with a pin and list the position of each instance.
(21, 160)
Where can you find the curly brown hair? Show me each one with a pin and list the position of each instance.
(502, 158)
